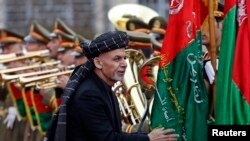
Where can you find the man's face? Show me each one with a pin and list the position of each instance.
(12, 48)
(206, 35)
(66, 58)
(32, 46)
(53, 46)
(113, 65)
(80, 60)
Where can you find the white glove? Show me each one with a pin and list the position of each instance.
(11, 117)
(210, 71)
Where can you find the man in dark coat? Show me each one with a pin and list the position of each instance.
(90, 110)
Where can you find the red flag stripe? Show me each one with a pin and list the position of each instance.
(241, 64)
(179, 20)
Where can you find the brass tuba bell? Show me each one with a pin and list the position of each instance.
(120, 14)
(129, 94)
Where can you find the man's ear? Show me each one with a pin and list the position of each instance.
(98, 63)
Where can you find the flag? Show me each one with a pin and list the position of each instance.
(17, 99)
(233, 81)
(181, 100)
(43, 112)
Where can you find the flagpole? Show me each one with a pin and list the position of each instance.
(213, 49)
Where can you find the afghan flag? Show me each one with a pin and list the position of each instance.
(29, 107)
(43, 112)
(17, 98)
(233, 80)
(181, 100)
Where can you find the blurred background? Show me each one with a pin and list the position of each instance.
(86, 17)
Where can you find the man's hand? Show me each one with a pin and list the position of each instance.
(162, 134)
(62, 81)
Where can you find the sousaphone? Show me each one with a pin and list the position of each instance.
(120, 14)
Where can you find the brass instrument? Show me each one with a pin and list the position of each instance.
(47, 85)
(117, 15)
(7, 56)
(8, 77)
(127, 113)
(29, 67)
(40, 53)
(41, 80)
(132, 101)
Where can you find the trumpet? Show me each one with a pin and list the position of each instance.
(27, 81)
(7, 56)
(30, 67)
(47, 85)
(8, 77)
(40, 53)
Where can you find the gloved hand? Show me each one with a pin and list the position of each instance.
(210, 71)
(11, 117)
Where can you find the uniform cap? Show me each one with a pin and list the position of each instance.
(67, 41)
(37, 33)
(61, 27)
(7, 36)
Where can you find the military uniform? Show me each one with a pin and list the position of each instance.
(80, 58)
(39, 114)
(65, 38)
(12, 129)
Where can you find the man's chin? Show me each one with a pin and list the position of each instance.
(120, 78)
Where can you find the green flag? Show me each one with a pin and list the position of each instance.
(181, 100)
(233, 82)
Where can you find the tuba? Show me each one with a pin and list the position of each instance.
(120, 14)
(130, 97)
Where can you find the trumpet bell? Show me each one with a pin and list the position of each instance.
(119, 15)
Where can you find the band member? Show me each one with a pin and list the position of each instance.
(12, 115)
(66, 48)
(80, 58)
(54, 44)
(37, 38)
(157, 27)
(38, 111)
(209, 73)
